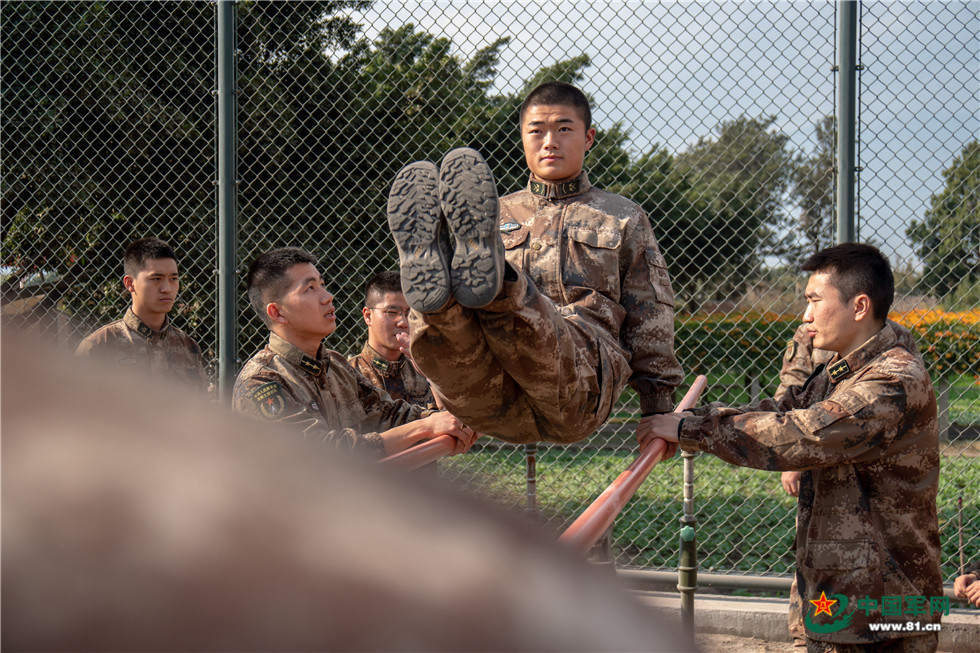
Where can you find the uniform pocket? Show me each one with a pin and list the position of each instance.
(828, 412)
(659, 276)
(593, 258)
(839, 555)
(514, 238)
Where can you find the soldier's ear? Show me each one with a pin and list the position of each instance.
(129, 283)
(366, 312)
(272, 310)
(862, 308)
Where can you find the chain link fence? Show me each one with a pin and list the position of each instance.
(717, 117)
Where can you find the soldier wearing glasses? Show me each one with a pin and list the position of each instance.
(381, 361)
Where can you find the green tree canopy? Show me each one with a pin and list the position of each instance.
(947, 239)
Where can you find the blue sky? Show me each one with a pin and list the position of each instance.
(672, 71)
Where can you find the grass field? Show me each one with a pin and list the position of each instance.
(745, 520)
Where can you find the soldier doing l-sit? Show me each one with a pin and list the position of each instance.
(546, 304)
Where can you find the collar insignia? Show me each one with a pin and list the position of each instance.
(508, 227)
(555, 191)
(144, 330)
(838, 370)
(387, 368)
(311, 366)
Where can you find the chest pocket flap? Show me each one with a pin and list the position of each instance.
(600, 238)
(514, 238)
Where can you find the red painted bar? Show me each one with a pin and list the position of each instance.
(423, 454)
(599, 516)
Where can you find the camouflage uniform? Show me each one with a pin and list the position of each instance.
(398, 378)
(799, 362)
(591, 309)
(322, 397)
(864, 428)
(168, 352)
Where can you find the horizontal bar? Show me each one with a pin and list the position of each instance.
(601, 513)
(423, 454)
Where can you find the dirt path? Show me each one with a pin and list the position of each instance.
(732, 644)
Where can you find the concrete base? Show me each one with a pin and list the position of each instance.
(765, 619)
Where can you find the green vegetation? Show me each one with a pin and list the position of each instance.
(745, 520)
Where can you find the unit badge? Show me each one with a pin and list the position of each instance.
(269, 399)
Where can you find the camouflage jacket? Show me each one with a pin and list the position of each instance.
(869, 440)
(801, 358)
(398, 378)
(129, 343)
(595, 253)
(322, 397)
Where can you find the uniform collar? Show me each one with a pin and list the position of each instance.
(839, 368)
(556, 191)
(382, 365)
(293, 354)
(131, 320)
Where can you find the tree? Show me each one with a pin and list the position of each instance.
(734, 186)
(813, 190)
(947, 239)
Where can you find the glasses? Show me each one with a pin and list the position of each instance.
(391, 312)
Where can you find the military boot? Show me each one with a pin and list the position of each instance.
(468, 196)
(421, 237)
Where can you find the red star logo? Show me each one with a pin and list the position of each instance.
(823, 604)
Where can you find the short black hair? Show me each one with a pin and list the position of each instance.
(857, 269)
(267, 279)
(559, 93)
(140, 251)
(381, 284)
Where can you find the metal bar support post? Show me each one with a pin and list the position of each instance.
(531, 456)
(687, 569)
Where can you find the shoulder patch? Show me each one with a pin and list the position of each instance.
(791, 350)
(269, 399)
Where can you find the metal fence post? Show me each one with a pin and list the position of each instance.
(227, 192)
(687, 570)
(531, 457)
(847, 118)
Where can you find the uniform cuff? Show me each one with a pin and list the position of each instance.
(689, 433)
(374, 444)
(656, 403)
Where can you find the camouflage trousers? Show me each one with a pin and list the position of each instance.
(521, 368)
(917, 644)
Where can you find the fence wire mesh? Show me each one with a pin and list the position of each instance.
(719, 118)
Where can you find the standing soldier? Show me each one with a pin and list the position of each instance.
(863, 431)
(144, 339)
(533, 320)
(381, 361)
(799, 361)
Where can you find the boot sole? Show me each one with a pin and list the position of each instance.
(418, 230)
(468, 196)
